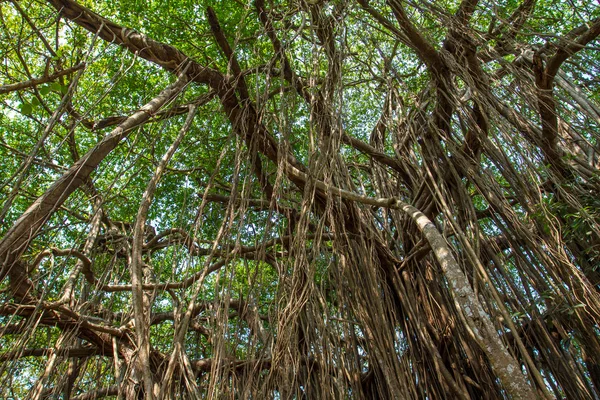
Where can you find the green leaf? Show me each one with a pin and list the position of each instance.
(59, 54)
(44, 90)
(26, 109)
(57, 87)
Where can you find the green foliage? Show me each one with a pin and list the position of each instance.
(369, 299)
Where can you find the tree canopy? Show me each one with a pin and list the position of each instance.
(299, 199)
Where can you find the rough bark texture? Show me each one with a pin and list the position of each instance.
(384, 200)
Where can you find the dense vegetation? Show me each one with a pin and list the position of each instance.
(299, 199)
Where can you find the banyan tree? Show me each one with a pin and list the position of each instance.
(300, 199)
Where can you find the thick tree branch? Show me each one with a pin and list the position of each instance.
(18, 237)
(568, 50)
(544, 78)
(219, 35)
(465, 299)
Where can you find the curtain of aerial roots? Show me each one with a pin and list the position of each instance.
(317, 282)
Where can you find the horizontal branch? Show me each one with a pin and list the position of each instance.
(44, 352)
(38, 81)
(162, 54)
(60, 316)
(159, 116)
(248, 252)
(87, 263)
